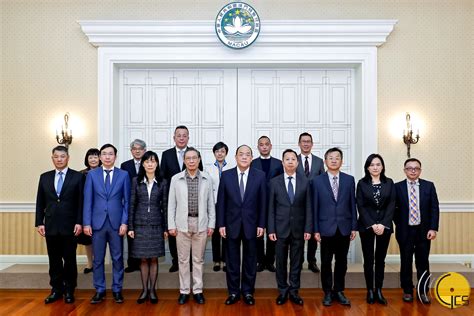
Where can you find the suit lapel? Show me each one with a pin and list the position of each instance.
(281, 184)
(328, 185)
(50, 180)
(67, 179)
(404, 191)
(257, 163)
(249, 185)
(114, 180)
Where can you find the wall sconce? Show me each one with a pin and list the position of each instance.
(408, 135)
(65, 138)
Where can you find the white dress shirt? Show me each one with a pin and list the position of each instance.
(293, 181)
(246, 175)
(310, 161)
(56, 177)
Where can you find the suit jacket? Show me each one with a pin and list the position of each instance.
(429, 208)
(178, 203)
(98, 204)
(59, 214)
(317, 167)
(330, 214)
(233, 212)
(284, 217)
(129, 166)
(276, 168)
(369, 212)
(169, 164)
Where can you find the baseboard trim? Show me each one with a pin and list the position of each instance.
(33, 259)
(465, 259)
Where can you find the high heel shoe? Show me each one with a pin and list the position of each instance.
(143, 297)
(379, 297)
(370, 296)
(153, 296)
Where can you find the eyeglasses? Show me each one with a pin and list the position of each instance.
(413, 169)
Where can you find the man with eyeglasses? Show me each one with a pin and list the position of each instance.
(417, 219)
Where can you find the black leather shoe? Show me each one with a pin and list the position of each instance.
(143, 297)
(224, 268)
(260, 267)
(153, 296)
(98, 297)
(69, 298)
(248, 299)
(313, 267)
(271, 267)
(118, 298)
(232, 299)
(174, 268)
(199, 298)
(183, 299)
(379, 297)
(370, 296)
(295, 298)
(281, 299)
(216, 267)
(425, 299)
(327, 300)
(53, 297)
(87, 270)
(341, 298)
(407, 297)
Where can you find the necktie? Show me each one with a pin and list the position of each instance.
(414, 214)
(60, 183)
(241, 185)
(291, 190)
(137, 166)
(335, 187)
(306, 166)
(180, 160)
(107, 181)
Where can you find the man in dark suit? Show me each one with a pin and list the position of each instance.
(272, 168)
(137, 148)
(59, 220)
(335, 224)
(311, 166)
(105, 216)
(241, 206)
(290, 223)
(172, 162)
(417, 220)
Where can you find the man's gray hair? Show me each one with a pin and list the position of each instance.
(138, 142)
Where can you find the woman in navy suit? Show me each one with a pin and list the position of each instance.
(376, 206)
(147, 222)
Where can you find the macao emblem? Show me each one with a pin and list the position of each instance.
(237, 25)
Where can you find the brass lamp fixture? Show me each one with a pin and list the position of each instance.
(408, 138)
(65, 137)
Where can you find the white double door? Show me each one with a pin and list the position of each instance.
(237, 106)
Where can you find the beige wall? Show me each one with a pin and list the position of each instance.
(426, 67)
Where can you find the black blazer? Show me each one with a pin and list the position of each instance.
(285, 218)
(276, 168)
(170, 166)
(59, 214)
(369, 212)
(129, 166)
(429, 208)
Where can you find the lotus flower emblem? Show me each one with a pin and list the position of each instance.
(238, 26)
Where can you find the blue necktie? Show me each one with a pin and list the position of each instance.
(291, 190)
(241, 185)
(60, 183)
(107, 181)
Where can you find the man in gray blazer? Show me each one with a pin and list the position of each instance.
(311, 166)
(289, 225)
(191, 218)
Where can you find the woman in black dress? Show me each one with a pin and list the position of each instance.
(91, 161)
(376, 206)
(147, 222)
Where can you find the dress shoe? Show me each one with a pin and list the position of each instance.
(174, 268)
(224, 268)
(379, 297)
(313, 267)
(271, 267)
(260, 267)
(153, 296)
(118, 298)
(248, 299)
(341, 298)
(98, 297)
(69, 298)
(87, 270)
(327, 300)
(407, 297)
(53, 297)
(183, 299)
(370, 296)
(216, 267)
(232, 299)
(281, 299)
(199, 298)
(295, 298)
(425, 299)
(143, 297)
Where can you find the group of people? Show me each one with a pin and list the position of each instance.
(293, 200)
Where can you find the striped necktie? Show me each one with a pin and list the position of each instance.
(414, 212)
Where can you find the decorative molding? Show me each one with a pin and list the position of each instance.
(29, 207)
(186, 33)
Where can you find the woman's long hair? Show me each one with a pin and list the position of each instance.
(368, 178)
(141, 171)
